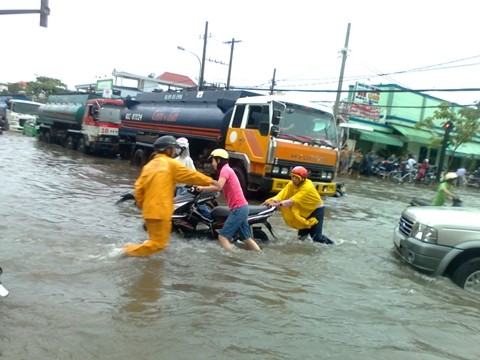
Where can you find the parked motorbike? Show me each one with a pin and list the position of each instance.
(3, 291)
(426, 178)
(384, 167)
(190, 220)
(474, 178)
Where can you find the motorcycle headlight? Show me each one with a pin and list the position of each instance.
(424, 233)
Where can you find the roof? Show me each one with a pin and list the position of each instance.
(167, 79)
(177, 79)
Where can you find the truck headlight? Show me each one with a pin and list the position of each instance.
(424, 233)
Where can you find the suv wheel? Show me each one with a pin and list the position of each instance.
(467, 275)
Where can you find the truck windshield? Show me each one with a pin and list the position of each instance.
(304, 123)
(24, 108)
(109, 114)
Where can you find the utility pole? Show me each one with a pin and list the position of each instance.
(202, 69)
(231, 59)
(273, 81)
(342, 70)
(448, 126)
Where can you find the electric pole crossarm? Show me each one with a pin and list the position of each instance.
(44, 12)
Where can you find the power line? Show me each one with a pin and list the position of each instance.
(434, 67)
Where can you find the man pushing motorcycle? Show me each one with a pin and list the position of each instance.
(301, 206)
(154, 190)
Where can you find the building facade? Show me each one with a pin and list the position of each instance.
(393, 111)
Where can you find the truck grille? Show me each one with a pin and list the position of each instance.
(405, 225)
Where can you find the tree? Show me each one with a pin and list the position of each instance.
(45, 86)
(464, 122)
(14, 88)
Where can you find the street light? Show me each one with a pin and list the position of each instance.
(200, 79)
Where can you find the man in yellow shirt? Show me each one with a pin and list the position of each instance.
(154, 191)
(301, 206)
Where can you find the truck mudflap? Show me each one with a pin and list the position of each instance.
(323, 188)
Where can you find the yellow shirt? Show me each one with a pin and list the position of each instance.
(306, 199)
(154, 187)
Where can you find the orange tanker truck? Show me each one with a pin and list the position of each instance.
(265, 136)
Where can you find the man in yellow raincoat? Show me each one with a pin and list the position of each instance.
(301, 206)
(154, 191)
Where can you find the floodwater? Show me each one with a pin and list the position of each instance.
(73, 297)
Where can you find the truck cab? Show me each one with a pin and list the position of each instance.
(269, 135)
(19, 111)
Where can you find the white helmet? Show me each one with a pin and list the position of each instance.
(182, 142)
(451, 176)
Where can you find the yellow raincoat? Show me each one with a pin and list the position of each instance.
(306, 199)
(154, 191)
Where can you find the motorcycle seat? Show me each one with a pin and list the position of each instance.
(224, 211)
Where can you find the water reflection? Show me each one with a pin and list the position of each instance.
(143, 286)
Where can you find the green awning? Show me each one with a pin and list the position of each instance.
(468, 150)
(378, 137)
(413, 135)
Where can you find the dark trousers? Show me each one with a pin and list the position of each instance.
(315, 231)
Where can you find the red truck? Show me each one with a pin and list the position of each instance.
(85, 122)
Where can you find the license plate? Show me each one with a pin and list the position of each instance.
(108, 131)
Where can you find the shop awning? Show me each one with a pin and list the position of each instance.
(413, 135)
(378, 137)
(468, 150)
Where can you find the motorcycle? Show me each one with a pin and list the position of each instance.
(474, 179)
(3, 291)
(384, 167)
(456, 202)
(192, 221)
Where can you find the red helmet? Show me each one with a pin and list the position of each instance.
(300, 171)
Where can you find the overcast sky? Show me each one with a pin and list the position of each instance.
(87, 39)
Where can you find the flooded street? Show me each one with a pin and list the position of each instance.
(73, 297)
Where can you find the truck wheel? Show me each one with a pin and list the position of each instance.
(467, 275)
(70, 143)
(241, 178)
(138, 158)
(81, 146)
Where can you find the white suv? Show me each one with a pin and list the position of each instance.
(441, 241)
